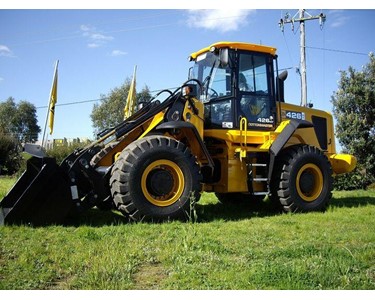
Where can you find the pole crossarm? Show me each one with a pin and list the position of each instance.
(287, 19)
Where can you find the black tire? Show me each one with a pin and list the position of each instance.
(302, 180)
(102, 153)
(108, 203)
(154, 179)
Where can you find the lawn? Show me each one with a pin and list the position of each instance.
(227, 247)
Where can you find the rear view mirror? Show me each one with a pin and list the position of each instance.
(280, 86)
(190, 74)
(283, 76)
(223, 56)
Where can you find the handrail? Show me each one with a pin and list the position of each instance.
(243, 137)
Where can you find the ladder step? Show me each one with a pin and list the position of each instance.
(260, 193)
(258, 165)
(102, 170)
(260, 179)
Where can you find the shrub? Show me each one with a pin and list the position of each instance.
(62, 151)
(352, 181)
(10, 155)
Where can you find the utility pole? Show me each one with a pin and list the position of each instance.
(303, 16)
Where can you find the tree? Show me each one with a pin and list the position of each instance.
(110, 111)
(19, 120)
(354, 110)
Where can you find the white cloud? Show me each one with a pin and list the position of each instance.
(1, 79)
(118, 53)
(93, 45)
(85, 28)
(4, 48)
(223, 20)
(337, 19)
(338, 22)
(5, 51)
(95, 37)
(100, 37)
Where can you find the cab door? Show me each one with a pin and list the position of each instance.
(255, 99)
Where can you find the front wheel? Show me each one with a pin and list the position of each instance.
(302, 180)
(155, 178)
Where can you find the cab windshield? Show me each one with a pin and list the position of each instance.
(216, 79)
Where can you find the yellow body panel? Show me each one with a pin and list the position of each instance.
(307, 135)
(237, 45)
(237, 172)
(342, 163)
(155, 121)
(191, 117)
(235, 137)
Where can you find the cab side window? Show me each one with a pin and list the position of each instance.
(253, 90)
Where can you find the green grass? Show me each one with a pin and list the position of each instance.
(228, 247)
(5, 184)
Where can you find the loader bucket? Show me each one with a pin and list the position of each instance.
(40, 196)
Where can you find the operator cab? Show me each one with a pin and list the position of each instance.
(237, 81)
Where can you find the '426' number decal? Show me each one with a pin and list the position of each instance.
(295, 115)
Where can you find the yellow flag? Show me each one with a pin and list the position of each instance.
(130, 101)
(53, 100)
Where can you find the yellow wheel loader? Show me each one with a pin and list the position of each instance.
(227, 130)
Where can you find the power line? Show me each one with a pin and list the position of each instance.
(140, 17)
(95, 100)
(287, 47)
(76, 36)
(337, 50)
(73, 26)
(73, 103)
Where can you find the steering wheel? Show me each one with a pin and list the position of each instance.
(214, 94)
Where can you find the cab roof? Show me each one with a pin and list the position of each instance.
(237, 46)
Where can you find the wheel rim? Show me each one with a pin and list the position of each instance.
(162, 182)
(309, 182)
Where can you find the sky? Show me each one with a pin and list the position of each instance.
(97, 50)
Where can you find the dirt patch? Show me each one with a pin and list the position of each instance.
(149, 277)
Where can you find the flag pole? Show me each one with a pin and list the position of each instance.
(134, 90)
(128, 109)
(49, 102)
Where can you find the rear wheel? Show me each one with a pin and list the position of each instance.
(302, 180)
(155, 178)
